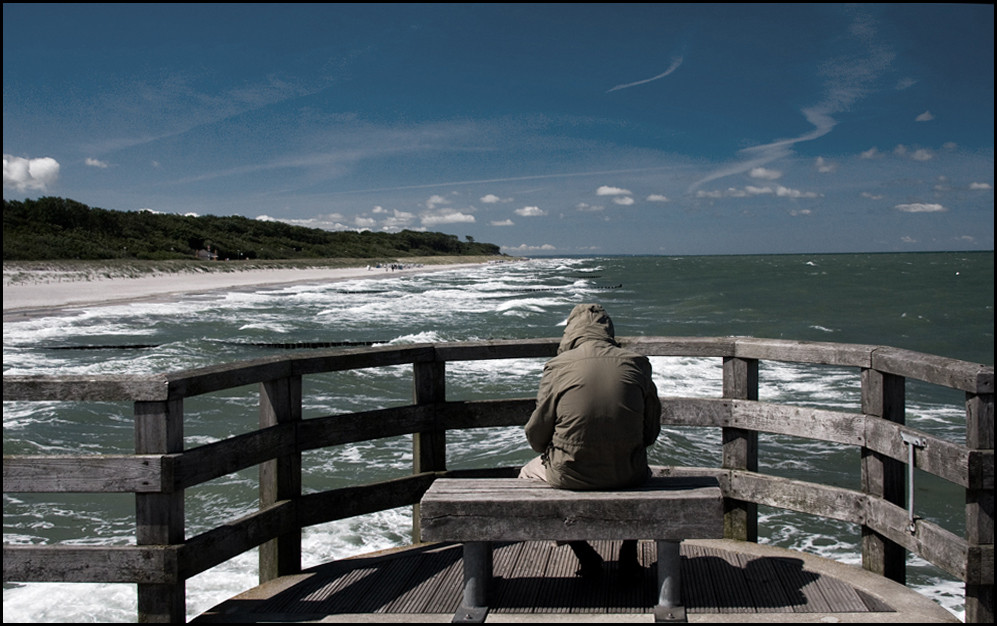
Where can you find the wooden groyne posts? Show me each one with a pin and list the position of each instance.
(163, 557)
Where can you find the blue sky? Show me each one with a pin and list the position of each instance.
(546, 129)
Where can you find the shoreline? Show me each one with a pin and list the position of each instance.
(44, 291)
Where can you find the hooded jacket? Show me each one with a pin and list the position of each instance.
(597, 408)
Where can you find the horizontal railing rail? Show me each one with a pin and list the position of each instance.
(162, 468)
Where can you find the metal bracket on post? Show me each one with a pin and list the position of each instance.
(912, 442)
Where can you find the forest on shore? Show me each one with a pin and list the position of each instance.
(50, 228)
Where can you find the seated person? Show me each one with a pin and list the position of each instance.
(597, 412)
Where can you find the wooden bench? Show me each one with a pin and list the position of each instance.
(477, 511)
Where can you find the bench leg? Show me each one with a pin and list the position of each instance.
(669, 608)
(477, 578)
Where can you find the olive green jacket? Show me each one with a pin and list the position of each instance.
(597, 408)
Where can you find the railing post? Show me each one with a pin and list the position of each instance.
(979, 507)
(429, 453)
(740, 447)
(159, 517)
(280, 477)
(883, 396)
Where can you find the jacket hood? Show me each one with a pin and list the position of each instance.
(587, 322)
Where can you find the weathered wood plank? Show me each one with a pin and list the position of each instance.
(363, 358)
(962, 375)
(939, 457)
(334, 430)
(941, 547)
(680, 346)
(235, 537)
(706, 412)
(91, 564)
(84, 388)
(822, 425)
(328, 506)
(149, 473)
(515, 509)
(834, 502)
(838, 354)
(203, 463)
(485, 413)
(498, 349)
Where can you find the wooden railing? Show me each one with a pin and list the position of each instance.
(163, 557)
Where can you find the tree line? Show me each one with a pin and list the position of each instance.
(61, 229)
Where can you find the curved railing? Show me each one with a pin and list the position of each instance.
(161, 469)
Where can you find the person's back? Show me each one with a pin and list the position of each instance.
(597, 411)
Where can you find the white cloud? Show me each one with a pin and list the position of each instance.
(397, 220)
(823, 166)
(765, 173)
(657, 197)
(96, 163)
(757, 191)
(920, 154)
(29, 174)
(750, 191)
(493, 199)
(588, 208)
(606, 190)
(623, 201)
(871, 153)
(435, 201)
(924, 117)
(527, 248)
(530, 211)
(505, 222)
(331, 221)
(786, 192)
(447, 217)
(979, 186)
(920, 207)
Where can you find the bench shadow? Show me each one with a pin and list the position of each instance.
(537, 577)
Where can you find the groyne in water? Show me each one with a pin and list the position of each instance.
(163, 557)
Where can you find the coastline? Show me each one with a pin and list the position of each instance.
(36, 291)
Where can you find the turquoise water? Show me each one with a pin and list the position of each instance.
(940, 303)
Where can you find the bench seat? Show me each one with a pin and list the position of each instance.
(477, 511)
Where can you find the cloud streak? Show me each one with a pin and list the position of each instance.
(676, 62)
(847, 80)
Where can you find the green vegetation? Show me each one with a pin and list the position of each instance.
(61, 229)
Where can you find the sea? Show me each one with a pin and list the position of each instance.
(938, 303)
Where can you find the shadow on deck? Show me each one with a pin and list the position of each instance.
(534, 581)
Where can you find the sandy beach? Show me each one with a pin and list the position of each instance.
(28, 293)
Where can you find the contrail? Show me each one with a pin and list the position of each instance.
(675, 65)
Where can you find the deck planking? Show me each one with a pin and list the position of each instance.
(538, 578)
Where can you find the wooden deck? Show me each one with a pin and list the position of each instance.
(722, 581)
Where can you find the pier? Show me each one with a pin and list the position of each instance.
(163, 467)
